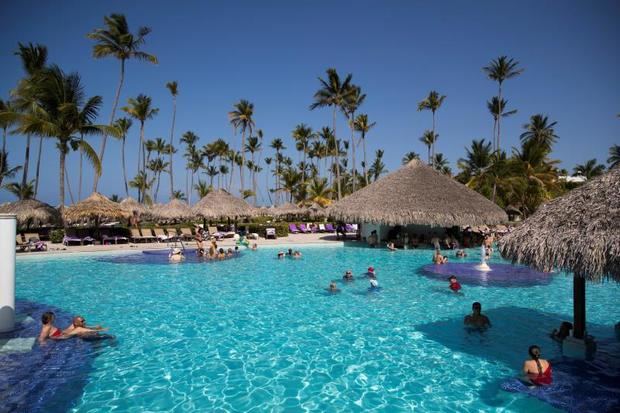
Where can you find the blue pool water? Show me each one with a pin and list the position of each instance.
(258, 334)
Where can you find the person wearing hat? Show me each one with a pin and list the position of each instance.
(371, 272)
(176, 255)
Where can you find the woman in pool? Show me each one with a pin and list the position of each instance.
(454, 284)
(333, 288)
(371, 272)
(537, 370)
(563, 332)
(438, 258)
(49, 330)
(348, 276)
(254, 247)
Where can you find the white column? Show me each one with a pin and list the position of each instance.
(8, 229)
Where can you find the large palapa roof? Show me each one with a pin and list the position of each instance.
(173, 210)
(578, 232)
(219, 204)
(32, 211)
(417, 194)
(95, 206)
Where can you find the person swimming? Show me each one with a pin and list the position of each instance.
(48, 329)
(280, 255)
(371, 272)
(477, 319)
(461, 254)
(254, 246)
(563, 332)
(454, 284)
(176, 255)
(296, 254)
(537, 371)
(438, 258)
(391, 246)
(348, 276)
(78, 327)
(333, 288)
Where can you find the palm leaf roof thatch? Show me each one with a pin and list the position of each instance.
(221, 204)
(173, 210)
(578, 232)
(132, 206)
(32, 211)
(286, 209)
(417, 194)
(96, 206)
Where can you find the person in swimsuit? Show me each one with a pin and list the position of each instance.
(454, 284)
(200, 238)
(371, 272)
(49, 330)
(563, 332)
(537, 370)
(477, 319)
(78, 327)
(391, 246)
(333, 288)
(438, 258)
(348, 276)
(176, 255)
(374, 284)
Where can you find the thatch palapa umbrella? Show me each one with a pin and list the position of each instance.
(172, 211)
(132, 206)
(32, 211)
(286, 209)
(220, 204)
(417, 194)
(94, 207)
(579, 233)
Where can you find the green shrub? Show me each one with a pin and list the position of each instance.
(56, 236)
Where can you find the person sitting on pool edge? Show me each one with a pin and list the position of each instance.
(537, 370)
(49, 330)
(454, 284)
(438, 258)
(477, 319)
(78, 327)
(348, 276)
(333, 288)
(563, 332)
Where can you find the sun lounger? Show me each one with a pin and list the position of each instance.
(34, 241)
(293, 229)
(19, 243)
(330, 228)
(348, 228)
(270, 233)
(303, 228)
(67, 240)
(162, 236)
(215, 233)
(173, 233)
(186, 234)
(114, 239)
(136, 236)
(322, 228)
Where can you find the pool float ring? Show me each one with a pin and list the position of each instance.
(243, 242)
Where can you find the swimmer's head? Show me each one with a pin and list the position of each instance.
(176, 251)
(476, 307)
(534, 352)
(452, 278)
(47, 317)
(348, 272)
(371, 269)
(78, 320)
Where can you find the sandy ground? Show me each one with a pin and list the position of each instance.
(292, 239)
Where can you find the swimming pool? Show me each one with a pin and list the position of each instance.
(259, 334)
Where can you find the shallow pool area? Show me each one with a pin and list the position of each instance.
(255, 333)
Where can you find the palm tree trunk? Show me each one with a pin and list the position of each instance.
(253, 175)
(242, 158)
(61, 191)
(191, 189)
(433, 144)
(232, 174)
(105, 135)
(499, 117)
(140, 148)
(174, 116)
(353, 152)
(124, 169)
(267, 185)
(36, 182)
(365, 164)
(494, 134)
(69, 185)
(4, 140)
(337, 157)
(26, 161)
(429, 154)
(80, 175)
(157, 187)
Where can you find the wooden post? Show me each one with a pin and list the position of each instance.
(579, 306)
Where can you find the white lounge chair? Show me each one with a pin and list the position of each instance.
(270, 232)
(322, 228)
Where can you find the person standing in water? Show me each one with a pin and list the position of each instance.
(476, 318)
(537, 370)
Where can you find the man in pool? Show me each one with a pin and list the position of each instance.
(176, 255)
(79, 328)
(371, 272)
(454, 284)
(348, 276)
(333, 288)
(476, 318)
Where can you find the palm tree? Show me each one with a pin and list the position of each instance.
(499, 70)
(334, 93)
(194, 163)
(319, 191)
(539, 130)
(496, 108)
(117, 41)
(614, 156)
(268, 161)
(351, 105)
(478, 158)
(362, 125)
(190, 140)
(428, 139)
(202, 188)
(87, 117)
(441, 164)
(410, 156)
(5, 170)
(212, 172)
(60, 105)
(241, 117)
(158, 166)
(21, 191)
(253, 146)
(178, 195)
(34, 59)
(278, 145)
(432, 102)
(6, 107)
(291, 180)
(590, 169)
(174, 91)
(302, 135)
(142, 183)
(123, 125)
(140, 109)
(378, 167)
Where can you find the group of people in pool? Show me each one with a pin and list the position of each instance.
(370, 274)
(77, 328)
(289, 254)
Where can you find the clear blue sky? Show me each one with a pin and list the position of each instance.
(271, 53)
